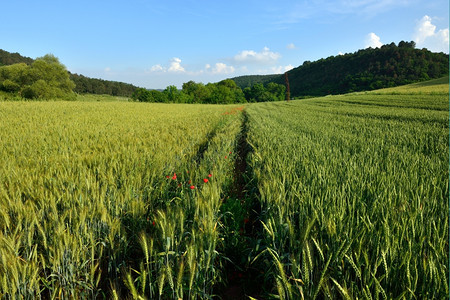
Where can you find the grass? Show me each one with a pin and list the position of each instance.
(435, 86)
(342, 197)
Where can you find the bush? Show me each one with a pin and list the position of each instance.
(9, 86)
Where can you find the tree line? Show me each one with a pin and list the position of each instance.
(223, 92)
(87, 85)
(46, 78)
(388, 66)
(83, 84)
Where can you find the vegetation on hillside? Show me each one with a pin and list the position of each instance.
(8, 58)
(368, 69)
(87, 85)
(250, 80)
(224, 92)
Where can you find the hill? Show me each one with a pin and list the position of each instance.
(368, 69)
(83, 84)
(7, 58)
(250, 80)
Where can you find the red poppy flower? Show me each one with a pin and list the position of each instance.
(205, 180)
(209, 175)
(192, 187)
(174, 177)
(167, 176)
(226, 157)
(230, 152)
(153, 223)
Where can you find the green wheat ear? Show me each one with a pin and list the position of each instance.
(179, 286)
(161, 280)
(280, 288)
(130, 284)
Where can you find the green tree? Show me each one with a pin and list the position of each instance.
(197, 92)
(141, 95)
(171, 93)
(277, 91)
(8, 85)
(51, 79)
(17, 73)
(46, 78)
(227, 91)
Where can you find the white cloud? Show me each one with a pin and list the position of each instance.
(221, 68)
(373, 40)
(426, 36)
(340, 53)
(290, 46)
(175, 65)
(107, 69)
(249, 56)
(156, 68)
(281, 69)
(288, 67)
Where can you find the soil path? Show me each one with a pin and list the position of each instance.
(243, 278)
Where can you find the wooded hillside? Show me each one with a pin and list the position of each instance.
(368, 69)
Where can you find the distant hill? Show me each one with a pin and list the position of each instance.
(7, 58)
(369, 69)
(250, 80)
(83, 84)
(87, 85)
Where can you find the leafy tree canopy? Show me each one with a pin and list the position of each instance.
(83, 84)
(223, 92)
(45, 78)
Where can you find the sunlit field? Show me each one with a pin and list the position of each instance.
(354, 195)
(333, 197)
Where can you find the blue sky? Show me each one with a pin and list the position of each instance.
(154, 44)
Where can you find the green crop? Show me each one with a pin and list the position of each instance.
(354, 194)
(86, 206)
(333, 197)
